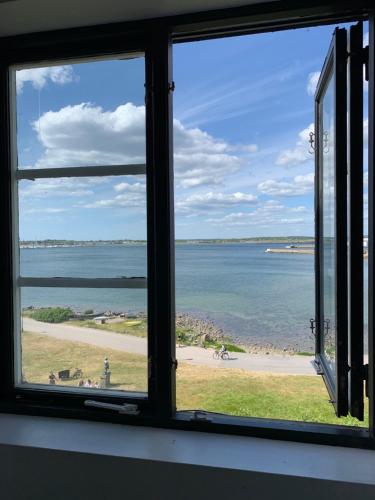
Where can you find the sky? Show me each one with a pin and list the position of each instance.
(243, 110)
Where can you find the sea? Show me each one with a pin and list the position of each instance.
(255, 297)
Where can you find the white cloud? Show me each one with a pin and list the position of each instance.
(85, 134)
(300, 154)
(132, 196)
(38, 77)
(300, 209)
(64, 187)
(312, 82)
(213, 201)
(300, 185)
(269, 213)
(45, 210)
(137, 187)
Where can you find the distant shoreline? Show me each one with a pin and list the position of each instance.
(95, 243)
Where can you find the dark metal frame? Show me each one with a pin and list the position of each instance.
(355, 223)
(371, 231)
(157, 35)
(160, 250)
(334, 69)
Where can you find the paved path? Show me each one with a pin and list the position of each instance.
(293, 365)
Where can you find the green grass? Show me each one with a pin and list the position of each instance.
(229, 347)
(136, 327)
(305, 353)
(231, 391)
(241, 393)
(187, 336)
(51, 314)
(41, 354)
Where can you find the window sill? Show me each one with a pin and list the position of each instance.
(234, 453)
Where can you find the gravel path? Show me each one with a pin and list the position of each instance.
(285, 364)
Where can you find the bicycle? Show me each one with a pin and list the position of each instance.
(77, 374)
(220, 355)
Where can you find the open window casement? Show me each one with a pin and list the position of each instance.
(339, 221)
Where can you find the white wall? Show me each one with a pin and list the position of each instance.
(53, 459)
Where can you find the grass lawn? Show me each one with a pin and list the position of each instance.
(137, 327)
(232, 391)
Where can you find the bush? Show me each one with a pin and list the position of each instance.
(52, 314)
(89, 311)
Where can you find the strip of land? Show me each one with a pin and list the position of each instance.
(309, 251)
(272, 363)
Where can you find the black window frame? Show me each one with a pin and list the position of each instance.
(334, 70)
(155, 37)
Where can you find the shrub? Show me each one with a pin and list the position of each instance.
(52, 314)
(89, 311)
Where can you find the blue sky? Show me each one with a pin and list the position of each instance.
(243, 109)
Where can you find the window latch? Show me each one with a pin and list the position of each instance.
(200, 416)
(124, 409)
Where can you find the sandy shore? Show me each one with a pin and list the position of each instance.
(271, 363)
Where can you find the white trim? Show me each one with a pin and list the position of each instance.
(136, 282)
(89, 171)
(262, 460)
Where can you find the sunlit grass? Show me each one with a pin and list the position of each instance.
(223, 390)
(41, 354)
(136, 327)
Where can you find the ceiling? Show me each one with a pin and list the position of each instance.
(27, 16)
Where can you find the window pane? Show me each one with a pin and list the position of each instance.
(66, 335)
(81, 114)
(328, 227)
(91, 227)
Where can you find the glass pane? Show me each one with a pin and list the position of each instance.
(328, 256)
(81, 114)
(92, 227)
(84, 338)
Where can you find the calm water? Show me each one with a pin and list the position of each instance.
(253, 295)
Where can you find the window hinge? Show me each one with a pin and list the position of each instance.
(171, 86)
(124, 409)
(200, 416)
(365, 378)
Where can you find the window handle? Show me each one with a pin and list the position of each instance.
(124, 409)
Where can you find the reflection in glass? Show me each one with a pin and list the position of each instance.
(327, 138)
